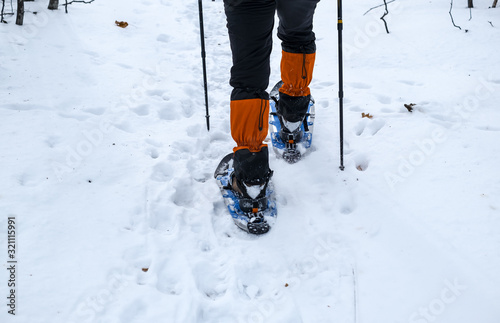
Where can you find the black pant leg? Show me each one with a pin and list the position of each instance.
(250, 25)
(296, 25)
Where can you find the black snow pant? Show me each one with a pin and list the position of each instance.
(250, 26)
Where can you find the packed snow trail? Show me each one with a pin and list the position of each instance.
(108, 170)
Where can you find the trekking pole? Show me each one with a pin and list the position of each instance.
(341, 85)
(203, 55)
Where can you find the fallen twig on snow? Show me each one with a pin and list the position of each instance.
(409, 106)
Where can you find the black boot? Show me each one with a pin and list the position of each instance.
(251, 173)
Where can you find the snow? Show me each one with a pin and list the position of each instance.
(254, 190)
(107, 167)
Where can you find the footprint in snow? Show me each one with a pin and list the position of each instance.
(211, 278)
(488, 128)
(323, 103)
(322, 85)
(140, 261)
(384, 99)
(438, 113)
(26, 106)
(184, 194)
(53, 141)
(153, 153)
(28, 179)
(182, 150)
(205, 246)
(361, 162)
(141, 110)
(369, 126)
(171, 275)
(358, 85)
(95, 111)
(125, 66)
(124, 126)
(187, 108)
(164, 38)
(375, 126)
(410, 83)
(346, 204)
(162, 172)
(221, 222)
(194, 131)
(355, 108)
(154, 143)
(164, 218)
(75, 116)
(167, 114)
(197, 170)
(147, 3)
(157, 92)
(170, 111)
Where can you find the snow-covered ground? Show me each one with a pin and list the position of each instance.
(107, 170)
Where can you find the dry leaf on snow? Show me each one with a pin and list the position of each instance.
(122, 24)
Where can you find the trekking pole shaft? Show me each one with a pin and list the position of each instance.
(203, 60)
(341, 84)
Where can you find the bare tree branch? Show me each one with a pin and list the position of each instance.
(3, 7)
(383, 16)
(451, 15)
(75, 1)
(377, 7)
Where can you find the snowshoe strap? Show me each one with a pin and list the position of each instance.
(306, 125)
(253, 205)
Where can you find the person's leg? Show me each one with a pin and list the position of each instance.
(298, 55)
(250, 24)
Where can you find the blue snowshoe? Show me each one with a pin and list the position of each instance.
(253, 212)
(291, 140)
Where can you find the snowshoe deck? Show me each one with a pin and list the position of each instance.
(254, 223)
